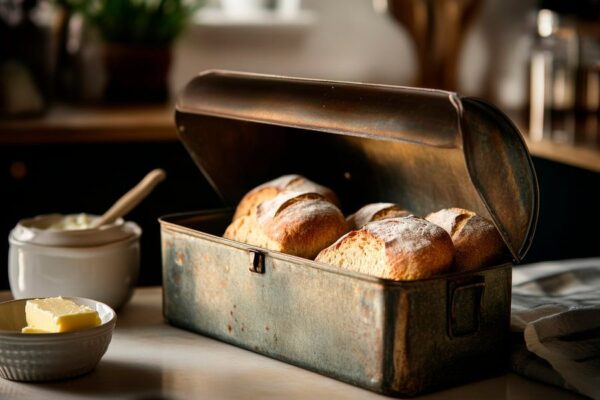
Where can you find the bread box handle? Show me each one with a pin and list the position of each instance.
(465, 307)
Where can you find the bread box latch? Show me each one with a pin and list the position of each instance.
(257, 261)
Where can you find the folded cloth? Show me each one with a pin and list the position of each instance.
(555, 321)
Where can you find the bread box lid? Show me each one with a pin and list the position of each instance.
(423, 149)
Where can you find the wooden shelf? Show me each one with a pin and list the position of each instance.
(577, 156)
(68, 124)
(581, 156)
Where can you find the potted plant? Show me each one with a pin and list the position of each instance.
(138, 37)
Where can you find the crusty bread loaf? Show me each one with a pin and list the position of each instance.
(375, 212)
(300, 224)
(477, 241)
(268, 190)
(404, 248)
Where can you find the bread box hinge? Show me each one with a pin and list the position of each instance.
(257, 261)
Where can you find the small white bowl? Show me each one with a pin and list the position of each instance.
(51, 356)
(38, 230)
(103, 267)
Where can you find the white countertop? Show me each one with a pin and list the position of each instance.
(148, 359)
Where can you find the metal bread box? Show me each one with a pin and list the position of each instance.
(423, 149)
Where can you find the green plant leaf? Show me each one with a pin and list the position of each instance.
(140, 22)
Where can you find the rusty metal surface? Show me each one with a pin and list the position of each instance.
(397, 338)
(423, 149)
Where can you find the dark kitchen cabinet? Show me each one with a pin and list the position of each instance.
(89, 177)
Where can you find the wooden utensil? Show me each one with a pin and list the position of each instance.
(132, 198)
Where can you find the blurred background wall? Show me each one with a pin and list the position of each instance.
(80, 152)
(344, 40)
(350, 40)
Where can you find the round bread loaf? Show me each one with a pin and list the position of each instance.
(477, 241)
(268, 190)
(404, 248)
(375, 212)
(300, 224)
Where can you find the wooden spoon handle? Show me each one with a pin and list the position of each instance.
(132, 198)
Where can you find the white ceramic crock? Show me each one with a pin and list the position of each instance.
(51, 356)
(100, 264)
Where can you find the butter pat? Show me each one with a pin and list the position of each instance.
(55, 314)
(73, 222)
(29, 329)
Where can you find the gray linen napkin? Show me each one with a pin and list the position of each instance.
(555, 321)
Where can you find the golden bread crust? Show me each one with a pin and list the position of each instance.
(300, 224)
(402, 248)
(268, 190)
(375, 212)
(477, 241)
